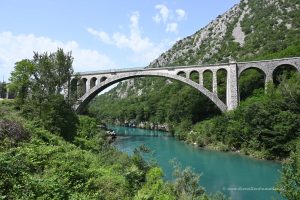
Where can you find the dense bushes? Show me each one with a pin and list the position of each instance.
(289, 185)
(266, 125)
(12, 131)
(59, 170)
(45, 166)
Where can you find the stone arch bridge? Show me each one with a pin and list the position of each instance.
(95, 82)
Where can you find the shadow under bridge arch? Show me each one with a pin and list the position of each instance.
(90, 94)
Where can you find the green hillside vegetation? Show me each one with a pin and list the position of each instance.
(166, 104)
(265, 125)
(36, 163)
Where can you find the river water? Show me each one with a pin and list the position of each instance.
(235, 175)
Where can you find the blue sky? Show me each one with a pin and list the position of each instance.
(101, 34)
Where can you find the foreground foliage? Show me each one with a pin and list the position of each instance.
(35, 163)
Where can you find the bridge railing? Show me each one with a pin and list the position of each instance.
(112, 70)
(174, 67)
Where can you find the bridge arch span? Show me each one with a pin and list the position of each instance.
(90, 94)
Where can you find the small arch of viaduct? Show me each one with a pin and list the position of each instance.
(268, 66)
(95, 82)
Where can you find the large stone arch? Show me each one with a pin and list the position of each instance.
(90, 94)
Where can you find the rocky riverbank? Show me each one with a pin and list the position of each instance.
(143, 125)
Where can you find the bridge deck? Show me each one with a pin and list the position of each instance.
(136, 69)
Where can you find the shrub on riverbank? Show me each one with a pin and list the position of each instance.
(289, 185)
(265, 126)
(47, 166)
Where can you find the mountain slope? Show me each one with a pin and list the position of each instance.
(251, 30)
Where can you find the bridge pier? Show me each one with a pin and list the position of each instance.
(232, 87)
(268, 79)
(200, 77)
(215, 82)
(188, 75)
(88, 86)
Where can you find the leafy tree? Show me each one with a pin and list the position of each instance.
(250, 82)
(155, 188)
(290, 91)
(39, 83)
(20, 79)
(289, 185)
(87, 127)
(58, 117)
(186, 185)
(3, 89)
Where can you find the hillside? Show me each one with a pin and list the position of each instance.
(251, 30)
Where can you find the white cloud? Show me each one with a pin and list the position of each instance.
(14, 48)
(134, 19)
(104, 37)
(181, 14)
(163, 14)
(172, 27)
(144, 51)
(157, 18)
(169, 17)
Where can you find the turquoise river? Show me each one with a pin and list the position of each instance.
(235, 175)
